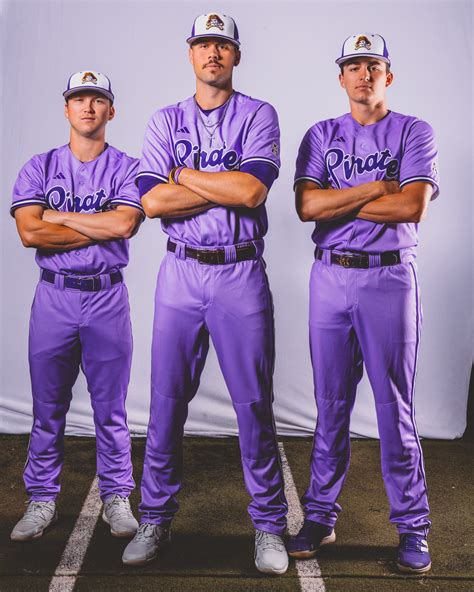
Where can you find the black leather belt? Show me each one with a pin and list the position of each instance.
(86, 284)
(216, 256)
(361, 260)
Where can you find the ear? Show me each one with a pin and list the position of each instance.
(66, 114)
(389, 80)
(341, 81)
(191, 55)
(238, 56)
(112, 113)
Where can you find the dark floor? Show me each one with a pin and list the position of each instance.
(212, 535)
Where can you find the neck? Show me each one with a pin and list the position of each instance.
(86, 149)
(368, 114)
(210, 97)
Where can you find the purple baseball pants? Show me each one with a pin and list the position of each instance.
(69, 329)
(369, 316)
(231, 303)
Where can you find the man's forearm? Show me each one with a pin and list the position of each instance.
(228, 188)
(173, 201)
(328, 204)
(54, 237)
(409, 205)
(99, 226)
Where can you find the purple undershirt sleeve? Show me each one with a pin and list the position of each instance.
(145, 183)
(265, 173)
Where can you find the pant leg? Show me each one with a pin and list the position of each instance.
(54, 357)
(240, 321)
(337, 369)
(106, 339)
(388, 322)
(179, 350)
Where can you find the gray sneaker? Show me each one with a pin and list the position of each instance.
(118, 514)
(270, 553)
(38, 516)
(150, 539)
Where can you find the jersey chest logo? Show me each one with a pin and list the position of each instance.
(58, 198)
(338, 161)
(183, 149)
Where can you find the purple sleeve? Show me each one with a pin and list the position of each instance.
(262, 142)
(127, 192)
(264, 172)
(310, 164)
(157, 156)
(146, 183)
(420, 157)
(29, 186)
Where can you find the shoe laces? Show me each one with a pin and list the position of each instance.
(414, 542)
(145, 531)
(267, 540)
(121, 505)
(37, 510)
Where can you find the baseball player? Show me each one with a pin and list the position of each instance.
(78, 205)
(366, 179)
(207, 165)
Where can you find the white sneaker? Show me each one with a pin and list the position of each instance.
(150, 539)
(270, 553)
(118, 514)
(38, 516)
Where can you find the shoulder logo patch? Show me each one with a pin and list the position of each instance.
(275, 149)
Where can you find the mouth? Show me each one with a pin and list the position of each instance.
(213, 65)
(364, 87)
(87, 118)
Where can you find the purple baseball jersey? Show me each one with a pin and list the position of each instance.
(242, 135)
(341, 153)
(59, 181)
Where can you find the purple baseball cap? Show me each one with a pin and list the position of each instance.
(364, 45)
(215, 25)
(89, 80)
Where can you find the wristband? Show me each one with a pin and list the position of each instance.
(176, 174)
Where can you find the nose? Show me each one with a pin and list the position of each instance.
(89, 106)
(213, 51)
(365, 73)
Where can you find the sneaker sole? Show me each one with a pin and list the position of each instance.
(277, 572)
(413, 570)
(24, 539)
(120, 535)
(138, 562)
(310, 554)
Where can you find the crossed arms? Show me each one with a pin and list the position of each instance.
(63, 231)
(199, 191)
(377, 201)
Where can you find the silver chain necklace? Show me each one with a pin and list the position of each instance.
(208, 127)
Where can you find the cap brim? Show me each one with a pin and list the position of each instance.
(196, 37)
(101, 91)
(346, 58)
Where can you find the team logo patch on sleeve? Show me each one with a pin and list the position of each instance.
(275, 149)
(89, 77)
(362, 42)
(214, 21)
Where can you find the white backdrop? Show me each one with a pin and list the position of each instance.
(288, 52)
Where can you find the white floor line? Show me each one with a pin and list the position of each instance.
(309, 572)
(73, 556)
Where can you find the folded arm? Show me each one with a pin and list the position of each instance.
(410, 204)
(228, 188)
(314, 203)
(123, 222)
(40, 234)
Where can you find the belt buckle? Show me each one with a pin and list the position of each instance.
(345, 260)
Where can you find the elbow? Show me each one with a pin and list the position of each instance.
(417, 215)
(304, 215)
(151, 208)
(28, 239)
(255, 196)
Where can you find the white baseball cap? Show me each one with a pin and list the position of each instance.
(214, 24)
(89, 80)
(364, 45)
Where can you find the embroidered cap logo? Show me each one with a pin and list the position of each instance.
(214, 21)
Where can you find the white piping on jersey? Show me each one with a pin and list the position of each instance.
(306, 178)
(152, 174)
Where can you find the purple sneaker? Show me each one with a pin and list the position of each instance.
(413, 554)
(310, 539)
